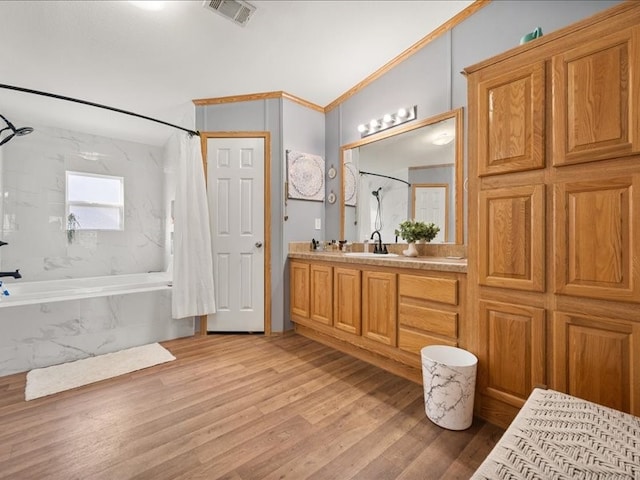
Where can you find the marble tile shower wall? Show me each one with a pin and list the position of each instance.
(32, 182)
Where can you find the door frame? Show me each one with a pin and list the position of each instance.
(266, 136)
(414, 186)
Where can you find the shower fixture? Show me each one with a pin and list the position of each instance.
(14, 131)
(376, 193)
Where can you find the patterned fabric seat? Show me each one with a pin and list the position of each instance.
(557, 436)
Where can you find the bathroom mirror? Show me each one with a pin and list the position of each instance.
(410, 172)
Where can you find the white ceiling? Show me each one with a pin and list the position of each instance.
(155, 62)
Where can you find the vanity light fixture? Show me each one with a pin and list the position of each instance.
(388, 120)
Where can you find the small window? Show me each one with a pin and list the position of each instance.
(96, 201)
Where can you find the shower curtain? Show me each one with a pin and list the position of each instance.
(365, 226)
(193, 289)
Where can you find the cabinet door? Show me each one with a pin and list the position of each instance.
(512, 361)
(511, 238)
(299, 289)
(597, 359)
(347, 297)
(379, 307)
(596, 236)
(321, 304)
(511, 113)
(596, 99)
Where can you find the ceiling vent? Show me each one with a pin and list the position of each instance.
(237, 11)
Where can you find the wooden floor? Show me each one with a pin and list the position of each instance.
(236, 407)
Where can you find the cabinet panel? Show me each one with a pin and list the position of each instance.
(512, 360)
(595, 229)
(511, 238)
(412, 341)
(321, 304)
(299, 289)
(347, 296)
(441, 290)
(379, 307)
(511, 114)
(429, 319)
(595, 102)
(597, 359)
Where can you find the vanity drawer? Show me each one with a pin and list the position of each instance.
(429, 320)
(412, 341)
(443, 290)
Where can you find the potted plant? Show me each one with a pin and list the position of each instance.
(411, 231)
(429, 231)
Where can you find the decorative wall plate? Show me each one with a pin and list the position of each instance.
(331, 198)
(305, 174)
(332, 172)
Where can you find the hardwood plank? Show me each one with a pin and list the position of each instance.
(236, 407)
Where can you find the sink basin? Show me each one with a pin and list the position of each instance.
(370, 254)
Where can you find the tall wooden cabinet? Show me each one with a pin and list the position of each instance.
(554, 216)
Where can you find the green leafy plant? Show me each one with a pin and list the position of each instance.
(412, 231)
(72, 225)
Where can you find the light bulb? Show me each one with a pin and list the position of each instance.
(387, 118)
(362, 128)
(373, 123)
(402, 113)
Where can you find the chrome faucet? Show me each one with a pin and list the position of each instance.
(15, 274)
(379, 247)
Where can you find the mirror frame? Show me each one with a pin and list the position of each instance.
(456, 114)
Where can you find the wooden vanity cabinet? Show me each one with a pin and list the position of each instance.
(379, 300)
(383, 315)
(427, 312)
(347, 294)
(299, 293)
(554, 176)
(321, 292)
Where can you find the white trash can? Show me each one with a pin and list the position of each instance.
(449, 380)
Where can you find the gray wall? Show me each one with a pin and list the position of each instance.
(302, 131)
(431, 77)
(292, 127)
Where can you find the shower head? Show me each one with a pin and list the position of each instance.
(14, 131)
(376, 193)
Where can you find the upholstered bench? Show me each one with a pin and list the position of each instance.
(557, 436)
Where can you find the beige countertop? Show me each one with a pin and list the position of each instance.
(442, 264)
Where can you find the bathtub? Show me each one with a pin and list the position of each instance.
(49, 322)
(27, 293)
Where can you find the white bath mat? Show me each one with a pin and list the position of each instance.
(58, 378)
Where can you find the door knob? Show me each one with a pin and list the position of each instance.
(258, 244)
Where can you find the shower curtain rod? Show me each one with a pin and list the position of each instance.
(98, 105)
(362, 172)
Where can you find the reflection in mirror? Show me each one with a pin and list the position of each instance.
(414, 172)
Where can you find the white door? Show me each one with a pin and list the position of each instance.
(235, 189)
(430, 206)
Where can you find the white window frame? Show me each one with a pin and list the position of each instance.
(119, 205)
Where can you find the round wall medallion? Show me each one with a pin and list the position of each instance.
(331, 198)
(332, 172)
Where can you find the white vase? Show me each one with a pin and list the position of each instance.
(411, 251)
